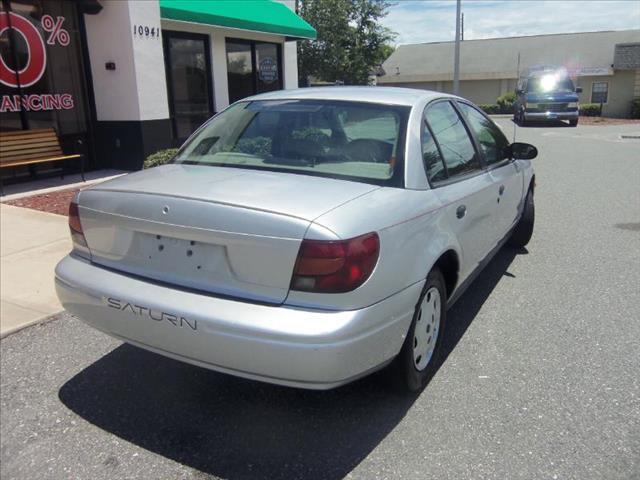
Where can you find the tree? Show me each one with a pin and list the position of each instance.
(351, 41)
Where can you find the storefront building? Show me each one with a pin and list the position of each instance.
(606, 65)
(120, 79)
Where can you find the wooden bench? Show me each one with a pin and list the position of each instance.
(28, 147)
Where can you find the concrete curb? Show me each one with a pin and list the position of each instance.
(37, 321)
(70, 186)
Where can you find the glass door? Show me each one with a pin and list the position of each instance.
(188, 66)
(239, 70)
(269, 67)
(252, 67)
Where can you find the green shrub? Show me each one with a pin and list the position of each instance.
(259, 146)
(505, 102)
(590, 109)
(311, 133)
(159, 158)
(490, 109)
(635, 108)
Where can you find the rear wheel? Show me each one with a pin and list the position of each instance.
(417, 361)
(524, 229)
(573, 123)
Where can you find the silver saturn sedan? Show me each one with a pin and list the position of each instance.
(303, 237)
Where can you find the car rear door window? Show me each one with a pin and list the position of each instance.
(492, 141)
(457, 149)
(433, 163)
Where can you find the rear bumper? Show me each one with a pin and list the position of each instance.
(284, 345)
(544, 116)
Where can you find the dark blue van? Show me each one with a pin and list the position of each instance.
(546, 94)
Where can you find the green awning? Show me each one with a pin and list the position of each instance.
(255, 15)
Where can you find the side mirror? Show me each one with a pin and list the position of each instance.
(519, 91)
(578, 89)
(523, 151)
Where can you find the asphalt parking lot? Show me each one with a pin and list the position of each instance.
(541, 380)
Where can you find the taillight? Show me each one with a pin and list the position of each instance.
(335, 266)
(77, 235)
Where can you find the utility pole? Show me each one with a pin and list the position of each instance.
(456, 59)
(462, 27)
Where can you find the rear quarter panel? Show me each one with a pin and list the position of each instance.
(413, 234)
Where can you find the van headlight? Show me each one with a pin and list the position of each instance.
(572, 105)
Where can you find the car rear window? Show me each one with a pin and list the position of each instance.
(349, 140)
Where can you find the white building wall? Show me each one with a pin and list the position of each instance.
(149, 62)
(136, 89)
(219, 74)
(109, 40)
(290, 65)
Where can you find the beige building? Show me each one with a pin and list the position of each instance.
(605, 64)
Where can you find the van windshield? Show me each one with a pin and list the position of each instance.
(337, 139)
(550, 83)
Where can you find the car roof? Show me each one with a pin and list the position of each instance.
(385, 95)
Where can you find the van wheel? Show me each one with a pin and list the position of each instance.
(573, 123)
(524, 229)
(417, 361)
(522, 122)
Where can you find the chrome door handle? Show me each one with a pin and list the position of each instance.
(461, 211)
(501, 189)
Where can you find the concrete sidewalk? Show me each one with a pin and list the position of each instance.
(32, 242)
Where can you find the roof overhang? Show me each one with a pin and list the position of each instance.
(264, 16)
(445, 77)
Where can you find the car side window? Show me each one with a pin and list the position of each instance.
(433, 162)
(492, 141)
(457, 149)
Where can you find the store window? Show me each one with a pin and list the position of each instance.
(599, 92)
(253, 67)
(41, 73)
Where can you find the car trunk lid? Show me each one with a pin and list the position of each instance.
(222, 230)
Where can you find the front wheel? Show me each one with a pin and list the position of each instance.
(524, 228)
(573, 123)
(417, 361)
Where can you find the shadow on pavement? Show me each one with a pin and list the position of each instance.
(546, 124)
(235, 428)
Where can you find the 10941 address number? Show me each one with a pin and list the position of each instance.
(145, 31)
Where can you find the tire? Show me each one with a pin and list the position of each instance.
(524, 229)
(573, 123)
(523, 121)
(413, 372)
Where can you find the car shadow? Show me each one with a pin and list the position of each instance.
(237, 429)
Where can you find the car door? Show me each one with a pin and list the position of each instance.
(506, 174)
(455, 173)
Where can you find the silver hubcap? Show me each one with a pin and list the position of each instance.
(425, 334)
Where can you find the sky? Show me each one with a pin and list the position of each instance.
(418, 21)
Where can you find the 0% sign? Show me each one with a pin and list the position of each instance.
(57, 34)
